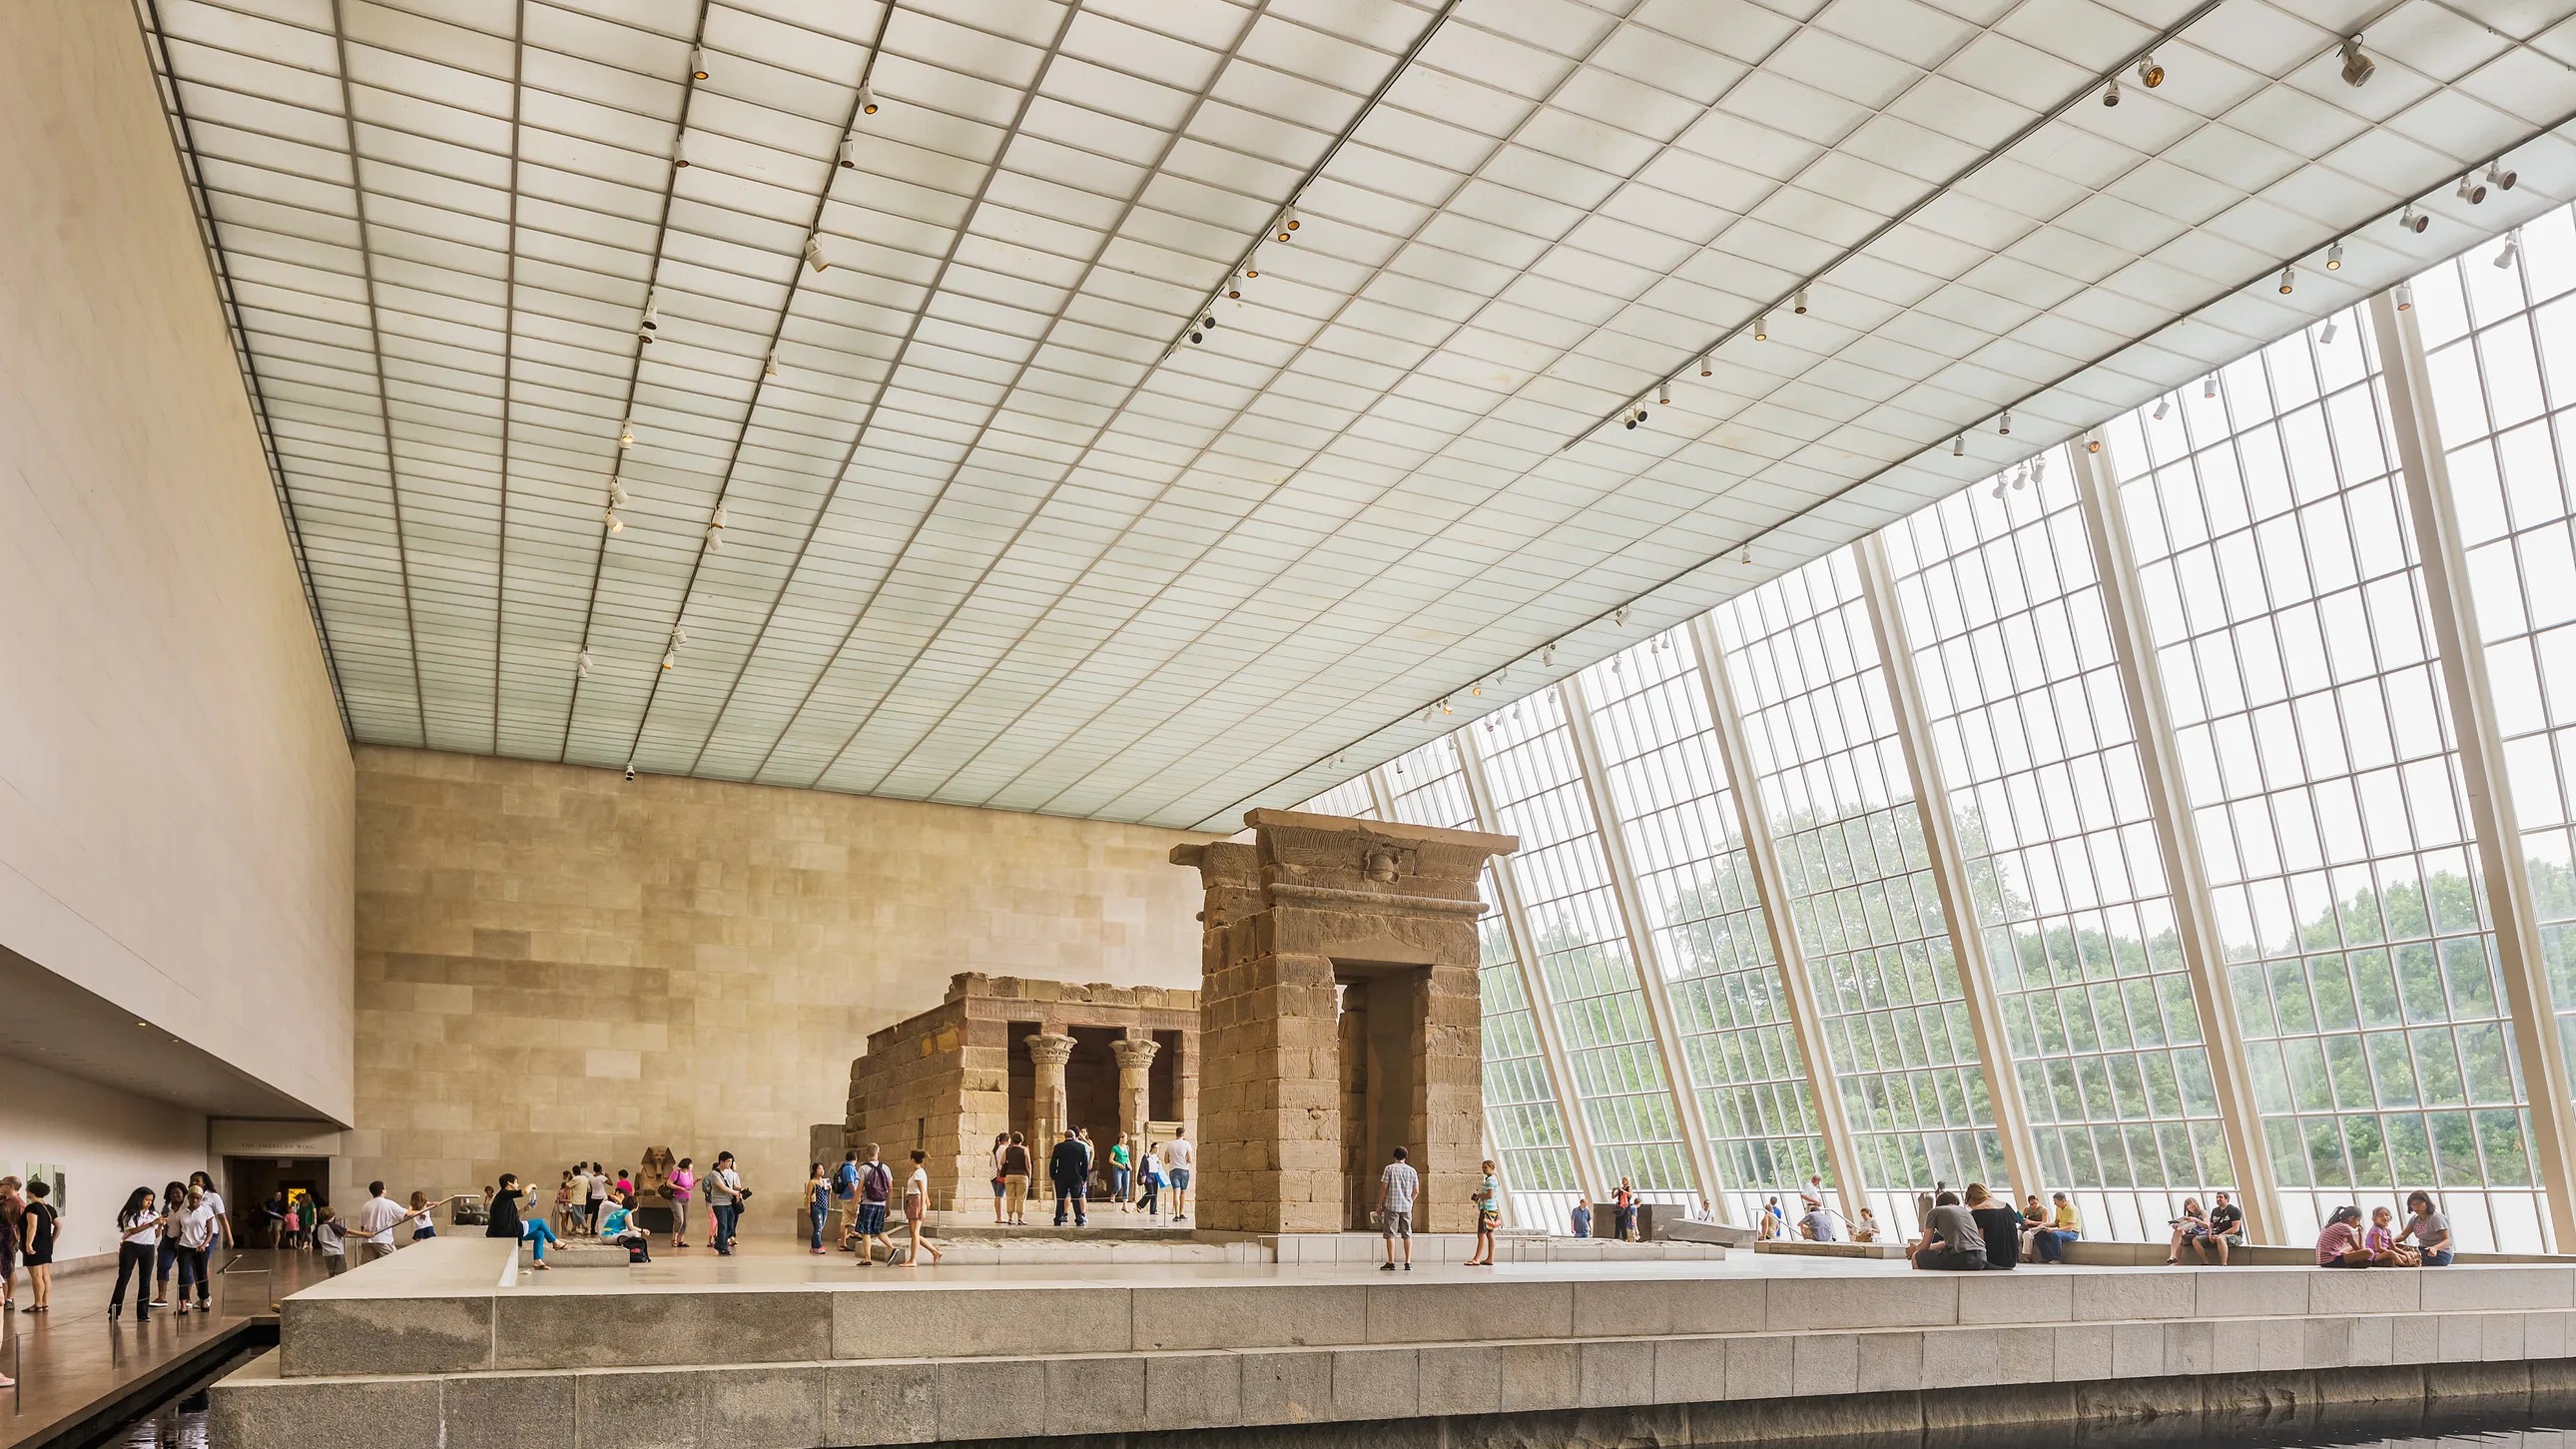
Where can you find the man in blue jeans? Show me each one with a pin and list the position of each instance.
(1069, 1168)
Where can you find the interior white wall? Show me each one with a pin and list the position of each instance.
(176, 798)
(108, 1143)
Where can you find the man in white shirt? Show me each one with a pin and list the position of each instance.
(1176, 1167)
(376, 1220)
(1397, 1186)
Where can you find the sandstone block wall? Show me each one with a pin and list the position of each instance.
(554, 963)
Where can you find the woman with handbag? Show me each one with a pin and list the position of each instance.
(683, 1183)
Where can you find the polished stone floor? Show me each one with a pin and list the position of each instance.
(71, 1357)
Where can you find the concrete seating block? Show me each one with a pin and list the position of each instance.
(583, 1330)
(492, 1411)
(1678, 1305)
(1690, 1370)
(1540, 1375)
(1294, 1386)
(1895, 1301)
(426, 1334)
(259, 1406)
(1891, 1362)
(1095, 1389)
(1441, 1310)
(1824, 1363)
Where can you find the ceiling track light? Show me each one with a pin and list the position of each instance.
(2038, 468)
(653, 310)
(2499, 178)
(2334, 257)
(615, 523)
(2164, 405)
(715, 540)
(2471, 190)
(583, 664)
(2209, 386)
(2412, 220)
(680, 151)
(2326, 335)
(2289, 280)
(719, 520)
(2358, 68)
(626, 434)
(1959, 445)
(698, 62)
(1252, 265)
(770, 368)
(1619, 616)
(1801, 305)
(814, 253)
(679, 636)
(2111, 92)
(1288, 223)
(2510, 252)
(867, 99)
(670, 660)
(2003, 424)
(1762, 328)
(850, 152)
(2092, 442)
(2405, 295)
(1207, 324)
(616, 492)
(1547, 656)
(1664, 394)
(1703, 364)
(2150, 74)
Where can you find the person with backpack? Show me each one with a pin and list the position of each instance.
(875, 1197)
(845, 1194)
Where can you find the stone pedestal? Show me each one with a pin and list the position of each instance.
(1135, 1067)
(1314, 910)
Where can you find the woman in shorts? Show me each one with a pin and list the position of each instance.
(916, 1206)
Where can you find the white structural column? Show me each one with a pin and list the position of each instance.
(1771, 884)
(1643, 949)
(2222, 1037)
(1551, 1045)
(1949, 871)
(2492, 817)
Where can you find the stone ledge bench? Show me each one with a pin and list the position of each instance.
(1801, 1248)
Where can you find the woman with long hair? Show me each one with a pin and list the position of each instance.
(166, 1259)
(138, 1227)
(916, 1205)
(683, 1182)
(37, 1224)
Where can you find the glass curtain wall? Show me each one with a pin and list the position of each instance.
(2277, 574)
(1839, 799)
(1582, 948)
(1524, 1129)
(2021, 686)
(1677, 811)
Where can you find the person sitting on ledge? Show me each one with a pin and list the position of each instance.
(1816, 1224)
(2379, 1240)
(1951, 1242)
(2064, 1228)
(2191, 1227)
(2429, 1228)
(2339, 1246)
(1998, 1224)
(1866, 1230)
(619, 1229)
(2226, 1229)
(504, 1220)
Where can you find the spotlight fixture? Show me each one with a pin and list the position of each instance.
(2289, 280)
(715, 540)
(1703, 364)
(680, 151)
(2510, 252)
(2150, 74)
(583, 664)
(630, 764)
(2003, 424)
(1446, 707)
(679, 636)
(2405, 296)
(2326, 337)
(2471, 190)
(1233, 293)
(698, 62)
(1288, 224)
(2357, 67)
(719, 520)
(1959, 445)
(653, 311)
(2164, 405)
(867, 100)
(1200, 332)
(1664, 394)
(814, 254)
(616, 492)
(615, 523)
(850, 152)
(1762, 328)
(2413, 220)
(2111, 92)
(670, 659)
(1801, 307)
(2209, 386)
(1547, 656)
(2038, 468)
(626, 434)
(1252, 265)
(2499, 178)
(771, 368)
(1619, 616)
(2092, 442)
(1746, 556)
(2334, 257)
(1999, 488)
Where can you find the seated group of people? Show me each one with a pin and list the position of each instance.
(2424, 1243)
(1978, 1234)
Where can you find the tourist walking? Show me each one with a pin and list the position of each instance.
(876, 1189)
(272, 1214)
(916, 1205)
(203, 1183)
(377, 1217)
(1001, 1183)
(1398, 1184)
(683, 1185)
(138, 1227)
(725, 1197)
(1150, 1200)
(1582, 1223)
(1489, 1217)
(37, 1224)
(818, 1206)
(845, 1194)
(1015, 1179)
(1069, 1170)
(200, 1227)
(1177, 1157)
(1120, 1171)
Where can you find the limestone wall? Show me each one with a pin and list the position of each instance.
(174, 788)
(554, 963)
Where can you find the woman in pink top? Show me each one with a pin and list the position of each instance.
(2339, 1246)
(683, 1183)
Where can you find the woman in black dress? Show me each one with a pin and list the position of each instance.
(36, 1233)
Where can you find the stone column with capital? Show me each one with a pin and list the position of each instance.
(1048, 1051)
(1135, 1063)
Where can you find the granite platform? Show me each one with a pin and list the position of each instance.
(786, 1351)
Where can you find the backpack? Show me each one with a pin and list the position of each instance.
(846, 1181)
(880, 1180)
